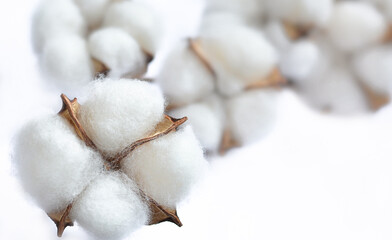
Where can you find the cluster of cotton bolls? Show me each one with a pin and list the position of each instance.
(57, 168)
(223, 80)
(77, 39)
(334, 53)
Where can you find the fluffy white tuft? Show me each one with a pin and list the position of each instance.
(138, 20)
(56, 18)
(251, 10)
(334, 90)
(205, 121)
(299, 60)
(110, 207)
(119, 112)
(93, 10)
(236, 62)
(66, 61)
(251, 115)
(276, 34)
(355, 25)
(54, 165)
(183, 77)
(167, 168)
(303, 12)
(118, 51)
(374, 68)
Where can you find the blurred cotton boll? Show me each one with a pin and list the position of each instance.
(355, 25)
(302, 12)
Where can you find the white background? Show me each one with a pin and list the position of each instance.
(314, 177)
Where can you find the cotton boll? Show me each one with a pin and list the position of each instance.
(385, 6)
(56, 18)
(110, 208)
(334, 90)
(66, 61)
(374, 67)
(276, 34)
(93, 10)
(237, 63)
(138, 20)
(302, 12)
(299, 61)
(119, 112)
(118, 51)
(205, 122)
(251, 10)
(183, 77)
(355, 25)
(167, 168)
(251, 115)
(54, 165)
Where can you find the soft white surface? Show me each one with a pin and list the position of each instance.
(183, 77)
(276, 34)
(205, 122)
(119, 112)
(93, 10)
(354, 25)
(251, 115)
(167, 168)
(250, 10)
(336, 91)
(53, 164)
(118, 51)
(373, 66)
(65, 60)
(138, 20)
(56, 18)
(110, 207)
(236, 62)
(303, 12)
(299, 60)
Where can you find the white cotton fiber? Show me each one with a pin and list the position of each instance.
(205, 122)
(110, 208)
(236, 62)
(276, 34)
(302, 12)
(250, 10)
(93, 10)
(66, 60)
(373, 66)
(118, 51)
(251, 115)
(334, 90)
(166, 168)
(355, 25)
(56, 18)
(299, 60)
(138, 20)
(183, 76)
(119, 112)
(54, 165)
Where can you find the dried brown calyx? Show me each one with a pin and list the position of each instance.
(159, 213)
(295, 31)
(375, 100)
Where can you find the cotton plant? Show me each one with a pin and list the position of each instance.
(112, 164)
(225, 80)
(340, 64)
(76, 40)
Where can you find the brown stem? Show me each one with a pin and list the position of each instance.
(116, 160)
(194, 45)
